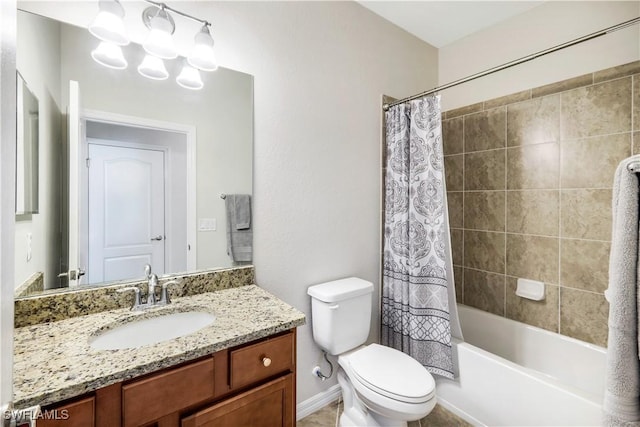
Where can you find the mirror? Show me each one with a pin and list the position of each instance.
(130, 170)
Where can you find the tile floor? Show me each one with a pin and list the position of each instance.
(328, 417)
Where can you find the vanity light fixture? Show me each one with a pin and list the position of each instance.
(110, 55)
(153, 68)
(108, 25)
(189, 78)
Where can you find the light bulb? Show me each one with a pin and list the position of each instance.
(108, 24)
(153, 68)
(109, 55)
(189, 78)
(202, 56)
(159, 41)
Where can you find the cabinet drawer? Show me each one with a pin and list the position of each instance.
(75, 414)
(162, 394)
(268, 405)
(261, 360)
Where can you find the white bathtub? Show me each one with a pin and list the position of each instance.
(512, 374)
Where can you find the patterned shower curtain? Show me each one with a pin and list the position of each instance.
(415, 304)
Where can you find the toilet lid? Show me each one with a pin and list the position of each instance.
(392, 373)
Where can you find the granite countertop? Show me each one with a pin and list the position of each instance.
(53, 361)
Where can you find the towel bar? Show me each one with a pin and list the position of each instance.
(634, 167)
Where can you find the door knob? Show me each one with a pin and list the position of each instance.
(158, 237)
(266, 361)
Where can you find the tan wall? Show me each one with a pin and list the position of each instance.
(529, 179)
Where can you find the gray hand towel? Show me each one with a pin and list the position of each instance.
(621, 405)
(243, 211)
(239, 240)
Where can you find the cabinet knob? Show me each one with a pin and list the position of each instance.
(266, 362)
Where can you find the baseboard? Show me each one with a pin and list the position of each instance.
(318, 401)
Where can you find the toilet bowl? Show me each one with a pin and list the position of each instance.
(393, 386)
(381, 386)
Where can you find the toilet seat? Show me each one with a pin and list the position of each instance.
(390, 373)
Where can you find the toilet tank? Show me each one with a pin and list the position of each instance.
(341, 313)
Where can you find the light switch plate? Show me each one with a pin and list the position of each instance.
(207, 224)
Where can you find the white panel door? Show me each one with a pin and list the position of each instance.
(126, 212)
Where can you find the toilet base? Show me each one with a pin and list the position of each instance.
(355, 414)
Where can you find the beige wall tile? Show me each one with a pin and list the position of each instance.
(591, 162)
(484, 290)
(485, 130)
(617, 72)
(485, 170)
(453, 171)
(543, 314)
(533, 257)
(533, 166)
(484, 210)
(534, 121)
(507, 99)
(550, 137)
(584, 264)
(452, 134)
(533, 212)
(600, 109)
(457, 246)
(468, 109)
(586, 214)
(484, 250)
(456, 213)
(563, 85)
(636, 142)
(584, 315)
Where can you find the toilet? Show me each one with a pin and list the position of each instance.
(381, 386)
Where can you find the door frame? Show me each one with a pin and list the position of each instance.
(191, 138)
(8, 12)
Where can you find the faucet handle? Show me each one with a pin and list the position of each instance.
(147, 271)
(136, 299)
(164, 297)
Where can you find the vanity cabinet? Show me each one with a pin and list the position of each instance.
(248, 385)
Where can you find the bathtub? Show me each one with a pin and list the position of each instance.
(512, 374)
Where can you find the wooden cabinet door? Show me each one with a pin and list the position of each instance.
(171, 391)
(76, 414)
(269, 405)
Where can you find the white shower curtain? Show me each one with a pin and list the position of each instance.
(418, 298)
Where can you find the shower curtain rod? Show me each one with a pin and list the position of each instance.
(515, 62)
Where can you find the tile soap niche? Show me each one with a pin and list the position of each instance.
(530, 289)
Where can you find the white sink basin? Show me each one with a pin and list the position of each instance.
(151, 331)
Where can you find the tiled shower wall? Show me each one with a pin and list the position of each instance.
(529, 179)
